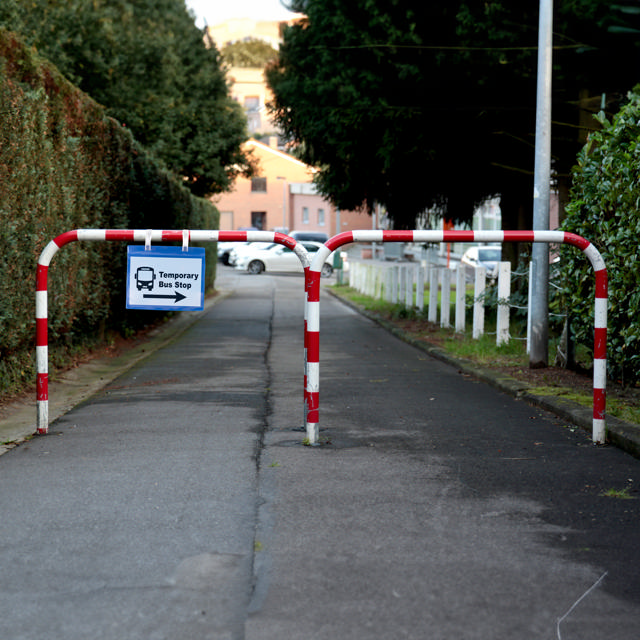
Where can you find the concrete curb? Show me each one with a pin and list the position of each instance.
(77, 385)
(624, 435)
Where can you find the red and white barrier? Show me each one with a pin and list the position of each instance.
(312, 340)
(312, 270)
(135, 235)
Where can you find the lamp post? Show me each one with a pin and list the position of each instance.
(539, 299)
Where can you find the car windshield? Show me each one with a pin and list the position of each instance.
(489, 255)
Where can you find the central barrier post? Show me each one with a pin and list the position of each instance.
(312, 313)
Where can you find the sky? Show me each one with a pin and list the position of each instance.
(215, 11)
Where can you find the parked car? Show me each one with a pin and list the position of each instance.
(482, 256)
(225, 249)
(314, 236)
(277, 257)
(248, 247)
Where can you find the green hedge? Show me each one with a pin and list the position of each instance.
(605, 209)
(65, 165)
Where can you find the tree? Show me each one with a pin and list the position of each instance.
(248, 53)
(435, 107)
(148, 64)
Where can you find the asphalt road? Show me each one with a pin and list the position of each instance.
(179, 502)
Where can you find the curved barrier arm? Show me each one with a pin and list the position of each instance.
(312, 339)
(126, 235)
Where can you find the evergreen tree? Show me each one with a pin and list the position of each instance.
(147, 63)
(434, 106)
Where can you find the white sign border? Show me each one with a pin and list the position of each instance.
(192, 253)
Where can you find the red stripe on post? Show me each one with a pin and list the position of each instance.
(602, 281)
(346, 237)
(519, 236)
(313, 406)
(41, 332)
(119, 234)
(599, 403)
(172, 235)
(64, 238)
(576, 240)
(287, 241)
(397, 236)
(458, 236)
(41, 277)
(600, 343)
(313, 286)
(232, 236)
(42, 383)
(313, 346)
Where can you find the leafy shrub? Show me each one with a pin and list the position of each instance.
(605, 209)
(65, 165)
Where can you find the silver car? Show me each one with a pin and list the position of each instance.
(277, 257)
(482, 256)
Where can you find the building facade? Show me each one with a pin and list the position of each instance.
(282, 197)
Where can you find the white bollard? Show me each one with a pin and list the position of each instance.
(388, 277)
(420, 288)
(408, 290)
(504, 291)
(379, 282)
(395, 279)
(445, 299)
(433, 294)
(461, 298)
(478, 302)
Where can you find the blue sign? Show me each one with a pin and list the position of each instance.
(165, 278)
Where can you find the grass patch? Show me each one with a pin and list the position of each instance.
(620, 494)
(485, 351)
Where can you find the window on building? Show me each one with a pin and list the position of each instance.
(305, 215)
(258, 185)
(321, 217)
(258, 219)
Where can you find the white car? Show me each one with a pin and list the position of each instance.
(243, 248)
(277, 257)
(482, 256)
(225, 249)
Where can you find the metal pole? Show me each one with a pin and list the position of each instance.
(539, 300)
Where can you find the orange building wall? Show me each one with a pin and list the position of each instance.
(236, 208)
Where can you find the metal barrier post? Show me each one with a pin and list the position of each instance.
(127, 235)
(312, 367)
